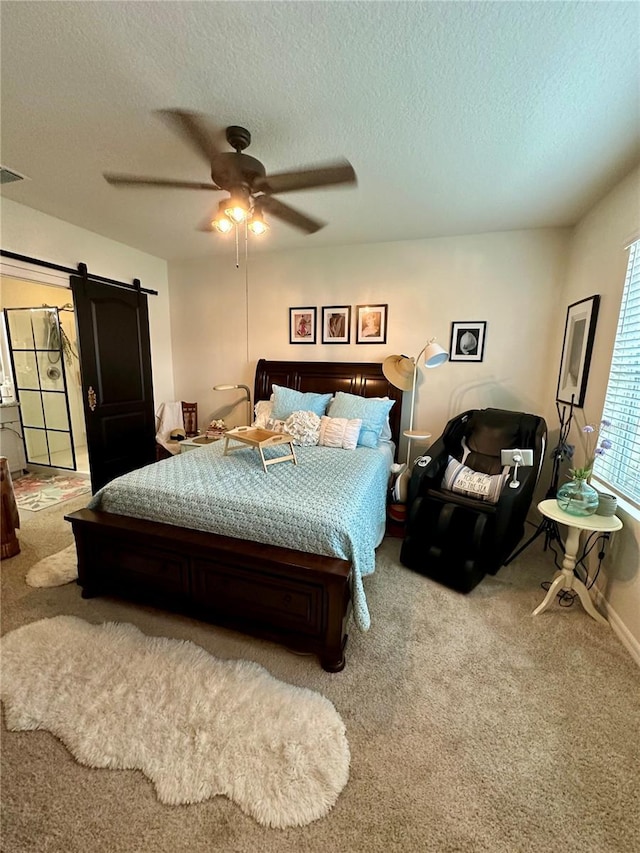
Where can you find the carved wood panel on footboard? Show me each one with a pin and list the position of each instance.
(300, 600)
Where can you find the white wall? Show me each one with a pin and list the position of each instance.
(597, 264)
(512, 280)
(29, 232)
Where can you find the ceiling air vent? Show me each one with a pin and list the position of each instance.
(8, 176)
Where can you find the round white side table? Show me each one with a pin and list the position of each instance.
(565, 578)
(402, 482)
(417, 435)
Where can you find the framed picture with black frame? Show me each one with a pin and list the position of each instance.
(467, 340)
(336, 324)
(302, 325)
(577, 345)
(371, 324)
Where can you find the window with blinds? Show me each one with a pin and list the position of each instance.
(620, 466)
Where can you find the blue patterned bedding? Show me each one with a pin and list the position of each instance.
(331, 503)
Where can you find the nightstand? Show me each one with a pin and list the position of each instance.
(197, 441)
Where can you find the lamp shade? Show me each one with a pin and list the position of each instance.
(225, 387)
(435, 355)
(245, 388)
(398, 370)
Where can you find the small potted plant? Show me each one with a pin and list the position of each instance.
(578, 497)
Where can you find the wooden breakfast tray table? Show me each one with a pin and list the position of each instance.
(260, 438)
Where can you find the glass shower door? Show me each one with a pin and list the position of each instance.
(35, 344)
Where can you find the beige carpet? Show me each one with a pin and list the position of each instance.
(473, 727)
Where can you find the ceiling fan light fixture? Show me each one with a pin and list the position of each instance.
(236, 214)
(258, 227)
(222, 224)
(221, 221)
(257, 224)
(238, 207)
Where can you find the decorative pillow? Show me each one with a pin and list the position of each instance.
(276, 426)
(339, 432)
(262, 411)
(286, 401)
(303, 427)
(264, 419)
(459, 478)
(372, 411)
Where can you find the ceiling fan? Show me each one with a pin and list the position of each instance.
(251, 190)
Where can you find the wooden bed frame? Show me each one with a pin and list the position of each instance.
(298, 599)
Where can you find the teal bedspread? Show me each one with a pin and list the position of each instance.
(332, 502)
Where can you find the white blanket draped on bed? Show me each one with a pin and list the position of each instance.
(333, 502)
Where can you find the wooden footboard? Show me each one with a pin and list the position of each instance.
(300, 600)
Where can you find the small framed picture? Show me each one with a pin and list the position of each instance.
(577, 345)
(371, 324)
(467, 340)
(302, 325)
(336, 324)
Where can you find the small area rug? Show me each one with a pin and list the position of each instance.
(55, 570)
(196, 726)
(39, 491)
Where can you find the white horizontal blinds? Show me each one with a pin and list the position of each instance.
(620, 466)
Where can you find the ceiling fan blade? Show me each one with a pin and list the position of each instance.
(290, 215)
(195, 129)
(341, 172)
(135, 180)
(206, 139)
(205, 224)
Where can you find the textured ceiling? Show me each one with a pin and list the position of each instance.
(458, 117)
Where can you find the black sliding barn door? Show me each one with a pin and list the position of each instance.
(115, 361)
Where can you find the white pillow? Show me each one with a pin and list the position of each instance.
(473, 484)
(303, 427)
(262, 410)
(339, 432)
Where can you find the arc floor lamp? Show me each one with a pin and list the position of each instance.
(247, 397)
(402, 372)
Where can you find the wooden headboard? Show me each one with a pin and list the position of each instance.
(323, 377)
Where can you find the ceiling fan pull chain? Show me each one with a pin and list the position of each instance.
(237, 250)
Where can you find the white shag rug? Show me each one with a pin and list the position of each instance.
(55, 570)
(196, 726)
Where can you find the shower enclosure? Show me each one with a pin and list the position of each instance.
(37, 348)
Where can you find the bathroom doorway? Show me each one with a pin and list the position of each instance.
(42, 372)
